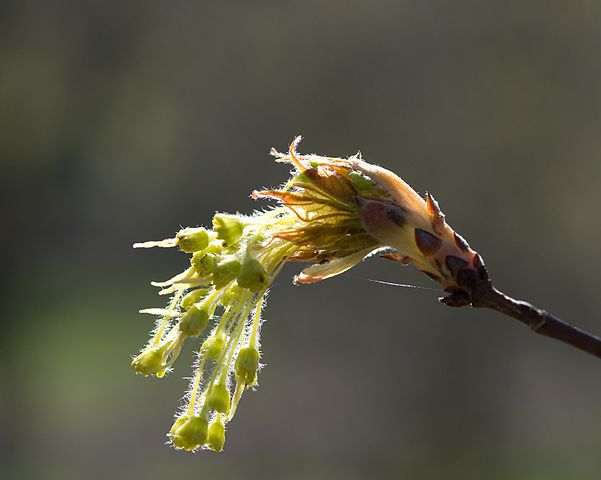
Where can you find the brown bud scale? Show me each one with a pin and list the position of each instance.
(436, 215)
(461, 242)
(480, 268)
(427, 243)
(467, 278)
(455, 264)
(396, 257)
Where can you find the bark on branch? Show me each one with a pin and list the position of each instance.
(483, 294)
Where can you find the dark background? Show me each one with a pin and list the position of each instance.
(121, 121)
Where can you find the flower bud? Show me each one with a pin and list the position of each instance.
(225, 271)
(193, 297)
(189, 432)
(216, 438)
(149, 362)
(213, 346)
(228, 228)
(194, 321)
(179, 421)
(252, 275)
(247, 364)
(204, 262)
(192, 240)
(219, 398)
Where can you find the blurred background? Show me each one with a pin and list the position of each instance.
(122, 121)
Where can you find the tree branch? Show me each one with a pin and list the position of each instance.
(483, 294)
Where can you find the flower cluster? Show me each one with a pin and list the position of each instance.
(333, 212)
(218, 298)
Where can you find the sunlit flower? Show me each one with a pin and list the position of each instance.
(333, 212)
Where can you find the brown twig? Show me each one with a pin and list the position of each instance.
(482, 294)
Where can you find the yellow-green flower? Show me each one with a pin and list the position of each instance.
(333, 213)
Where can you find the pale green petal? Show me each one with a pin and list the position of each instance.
(167, 243)
(184, 285)
(316, 273)
(163, 312)
(179, 278)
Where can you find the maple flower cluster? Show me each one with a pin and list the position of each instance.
(333, 212)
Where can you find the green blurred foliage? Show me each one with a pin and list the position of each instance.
(121, 121)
